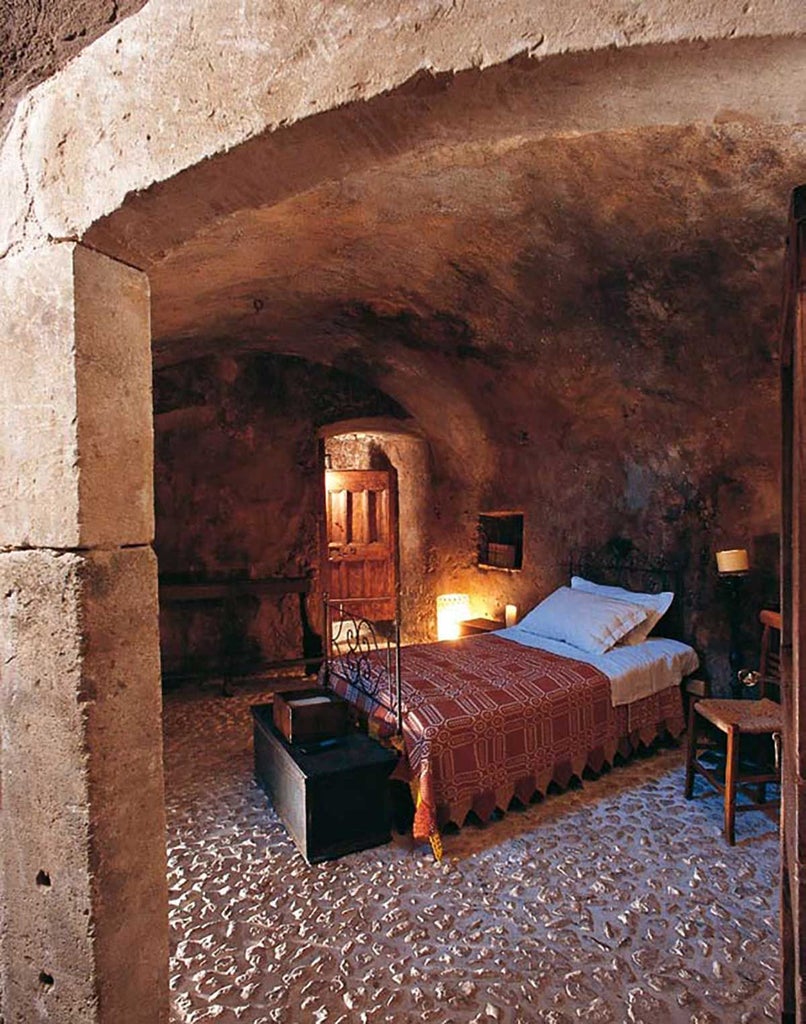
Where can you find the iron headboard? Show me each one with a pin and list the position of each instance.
(620, 565)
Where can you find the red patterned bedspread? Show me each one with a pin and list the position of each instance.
(486, 719)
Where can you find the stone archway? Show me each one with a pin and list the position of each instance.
(83, 848)
(166, 91)
(206, 80)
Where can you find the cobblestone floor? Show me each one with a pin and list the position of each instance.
(615, 902)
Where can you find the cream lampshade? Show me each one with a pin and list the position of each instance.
(451, 610)
(732, 566)
(732, 560)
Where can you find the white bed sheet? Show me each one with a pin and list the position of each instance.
(634, 671)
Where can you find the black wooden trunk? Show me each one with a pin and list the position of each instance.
(333, 799)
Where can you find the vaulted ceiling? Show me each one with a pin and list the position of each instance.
(589, 209)
(567, 269)
(627, 197)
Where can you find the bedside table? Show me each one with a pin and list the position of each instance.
(470, 627)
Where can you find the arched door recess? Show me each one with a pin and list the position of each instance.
(378, 448)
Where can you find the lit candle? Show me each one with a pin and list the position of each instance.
(511, 614)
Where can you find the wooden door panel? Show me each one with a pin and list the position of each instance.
(360, 531)
(361, 538)
(337, 517)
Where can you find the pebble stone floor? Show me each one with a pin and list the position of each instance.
(614, 902)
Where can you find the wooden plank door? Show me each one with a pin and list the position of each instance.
(793, 606)
(362, 540)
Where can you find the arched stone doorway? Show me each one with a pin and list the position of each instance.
(237, 495)
(81, 144)
(381, 444)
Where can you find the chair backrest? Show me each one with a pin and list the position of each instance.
(769, 666)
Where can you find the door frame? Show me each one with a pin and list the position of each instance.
(793, 586)
(409, 453)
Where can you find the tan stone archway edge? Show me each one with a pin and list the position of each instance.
(82, 854)
(167, 89)
(432, 120)
(177, 82)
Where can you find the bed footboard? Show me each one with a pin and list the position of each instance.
(365, 655)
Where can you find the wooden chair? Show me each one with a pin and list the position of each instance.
(758, 722)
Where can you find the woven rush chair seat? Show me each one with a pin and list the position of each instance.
(752, 717)
(719, 729)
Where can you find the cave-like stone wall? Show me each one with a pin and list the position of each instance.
(237, 495)
(595, 440)
(589, 442)
(584, 329)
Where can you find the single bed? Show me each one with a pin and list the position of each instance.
(489, 718)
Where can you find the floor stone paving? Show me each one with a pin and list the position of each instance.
(618, 901)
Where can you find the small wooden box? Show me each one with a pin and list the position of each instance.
(333, 799)
(308, 716)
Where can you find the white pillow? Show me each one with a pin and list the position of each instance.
(655, 605)
(591, 622)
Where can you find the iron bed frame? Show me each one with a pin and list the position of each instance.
(366, 653)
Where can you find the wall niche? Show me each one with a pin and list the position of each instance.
(500, 540)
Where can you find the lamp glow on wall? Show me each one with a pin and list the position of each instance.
(451, 610)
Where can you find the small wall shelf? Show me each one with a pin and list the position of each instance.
(500, 540)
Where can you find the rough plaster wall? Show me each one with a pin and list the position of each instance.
(237, 493)
(601, 454)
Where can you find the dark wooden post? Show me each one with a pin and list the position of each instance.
(793, 585)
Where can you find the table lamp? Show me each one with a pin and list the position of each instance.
(451, 610)
(733, 566)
